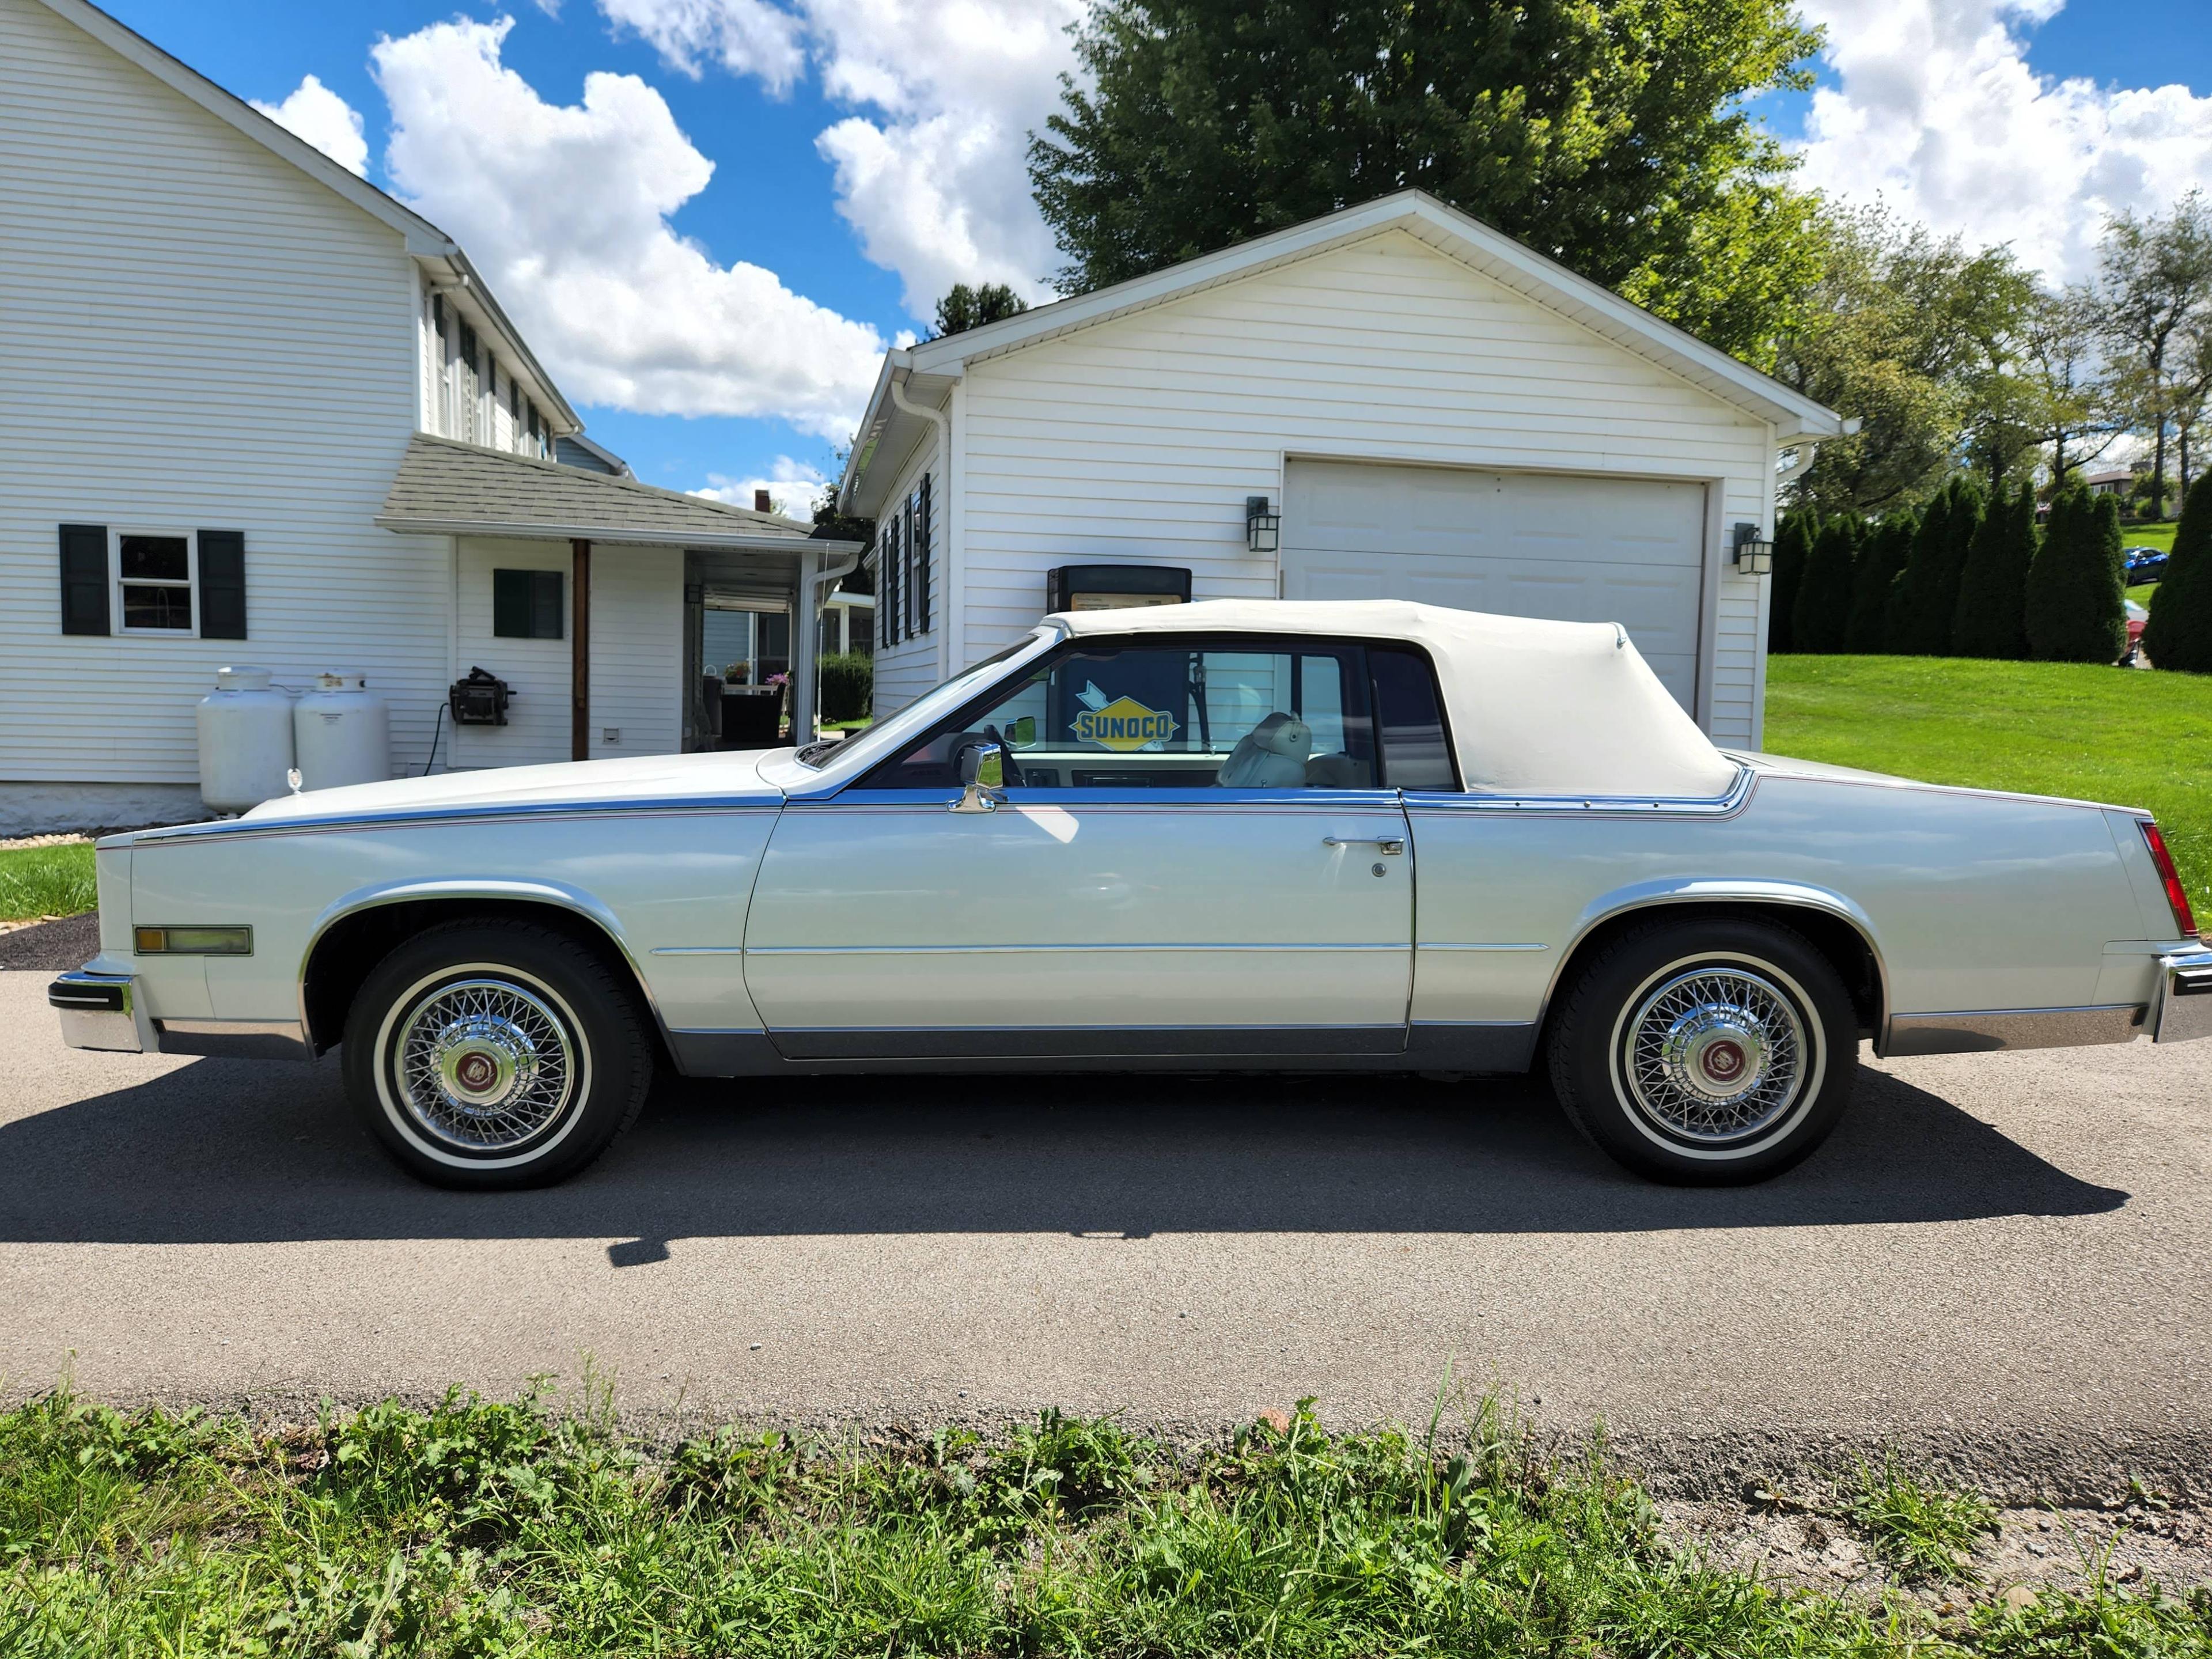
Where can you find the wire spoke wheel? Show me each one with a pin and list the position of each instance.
(484, 1065)
(1715, 1055)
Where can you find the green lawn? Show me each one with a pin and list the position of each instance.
(2149, 535)
(2109, 735)
(45, 881)
(484, 1529)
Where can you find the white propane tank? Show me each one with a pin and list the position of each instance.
(341, 732)
(245, 740)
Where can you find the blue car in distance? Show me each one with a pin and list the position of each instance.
(2144, 564)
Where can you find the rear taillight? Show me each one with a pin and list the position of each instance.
(2177, 896)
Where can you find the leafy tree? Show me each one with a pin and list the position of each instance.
(963, 308)
(1793, 546)
(1882, 562)
(2179, 632)
(2075, 587)
(1991, 617)
(2156, 276)
(1613, 138)
(2075, 405)
(1926, 595)
(1922, 340)
(1822, 616)
(834, 523)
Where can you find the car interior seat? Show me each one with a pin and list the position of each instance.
(1337, 771)
(1271, 755)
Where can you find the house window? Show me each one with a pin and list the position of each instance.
(154, 583)
(525, 605)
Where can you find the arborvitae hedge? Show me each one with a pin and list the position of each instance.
(2179, 632)
(2075, 587)
(1881, 560)
(1920, 620)
(1793, 545)
(1991, 617)
(1823, 611)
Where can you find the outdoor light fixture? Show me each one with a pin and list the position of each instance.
(1754, 558)
(1263, 529)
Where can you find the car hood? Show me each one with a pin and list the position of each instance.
(645, 780)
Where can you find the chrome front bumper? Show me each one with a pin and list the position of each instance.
(105, 1011)
(2182, 1011)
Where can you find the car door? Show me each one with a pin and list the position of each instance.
(1196, 854)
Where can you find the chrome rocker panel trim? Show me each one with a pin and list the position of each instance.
(1986, 1030)
(234, 1039)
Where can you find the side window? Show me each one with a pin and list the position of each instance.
(1409, 721)
(1257, 714)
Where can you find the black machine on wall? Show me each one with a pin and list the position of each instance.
(481, 699)
(1114, 586)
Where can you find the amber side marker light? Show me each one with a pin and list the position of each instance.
(192, 941)
(2176, 896)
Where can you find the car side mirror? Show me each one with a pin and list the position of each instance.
(982, 778)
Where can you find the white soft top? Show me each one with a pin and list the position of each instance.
(1535, 708)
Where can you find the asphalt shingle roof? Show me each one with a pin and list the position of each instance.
(451, 488)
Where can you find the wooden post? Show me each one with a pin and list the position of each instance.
(580, 669)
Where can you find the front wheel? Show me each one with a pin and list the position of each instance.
(1707, 1053)
(488, 1056)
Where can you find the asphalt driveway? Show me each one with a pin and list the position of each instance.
(2004, 1260)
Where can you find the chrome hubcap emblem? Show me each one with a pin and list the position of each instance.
(484, 1064)
(1715, 1055)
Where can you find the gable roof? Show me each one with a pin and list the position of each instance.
(447, 487)
(1458, 235)
(423, 239)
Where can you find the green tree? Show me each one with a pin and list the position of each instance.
(1882, 562)
(2075, 588)
(1616, 138)
(1822, 616)
(2073, 402)
(1926, 595)
(2156, 280)
(2179, 632)
(1793, 546)
(1922, 340)
(963, 308)
(1991, 617)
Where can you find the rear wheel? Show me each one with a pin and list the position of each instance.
(1706, 1052)
(488, 1056)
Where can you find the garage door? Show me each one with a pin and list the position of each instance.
(1520, 544)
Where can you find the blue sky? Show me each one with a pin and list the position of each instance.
(1948, 108)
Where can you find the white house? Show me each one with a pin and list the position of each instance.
(256, 411)
(1429, 410)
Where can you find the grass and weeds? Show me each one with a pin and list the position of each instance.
(45, 881)
(2109, 735)
(509, 1528)
(2159, 535)
(1925, 1531)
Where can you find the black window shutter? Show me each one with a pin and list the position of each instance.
(545, 605)
(84, 579)
(222, 584)
(890, 580)
(921, 539)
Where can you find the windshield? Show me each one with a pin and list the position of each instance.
(884, 736)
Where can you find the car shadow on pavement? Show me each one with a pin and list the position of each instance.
(223, 1153)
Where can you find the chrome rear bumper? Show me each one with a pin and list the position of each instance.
(2182, 1011)
(105, 1010)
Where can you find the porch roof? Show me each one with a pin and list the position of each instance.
(446, 488)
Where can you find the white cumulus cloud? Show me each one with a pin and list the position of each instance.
(792, 487)
(314, 112)
(1938, 111)
(565, 208)
(931, 169)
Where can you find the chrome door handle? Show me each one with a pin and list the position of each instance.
(1390, 846)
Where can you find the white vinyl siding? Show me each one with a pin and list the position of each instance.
(193, 332)
(637, 665)
(537, 722)
(1137, 440)
(906, 668)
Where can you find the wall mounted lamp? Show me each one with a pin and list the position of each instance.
(1753, 555)
(1263, 529)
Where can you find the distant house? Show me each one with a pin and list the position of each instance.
(256, 411)
(1393, 401)
(2113, 481)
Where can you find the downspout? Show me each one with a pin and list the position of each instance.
(1808, 447)
(943, 422)
(805, 631)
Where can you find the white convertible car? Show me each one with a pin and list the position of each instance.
(1376, 837)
